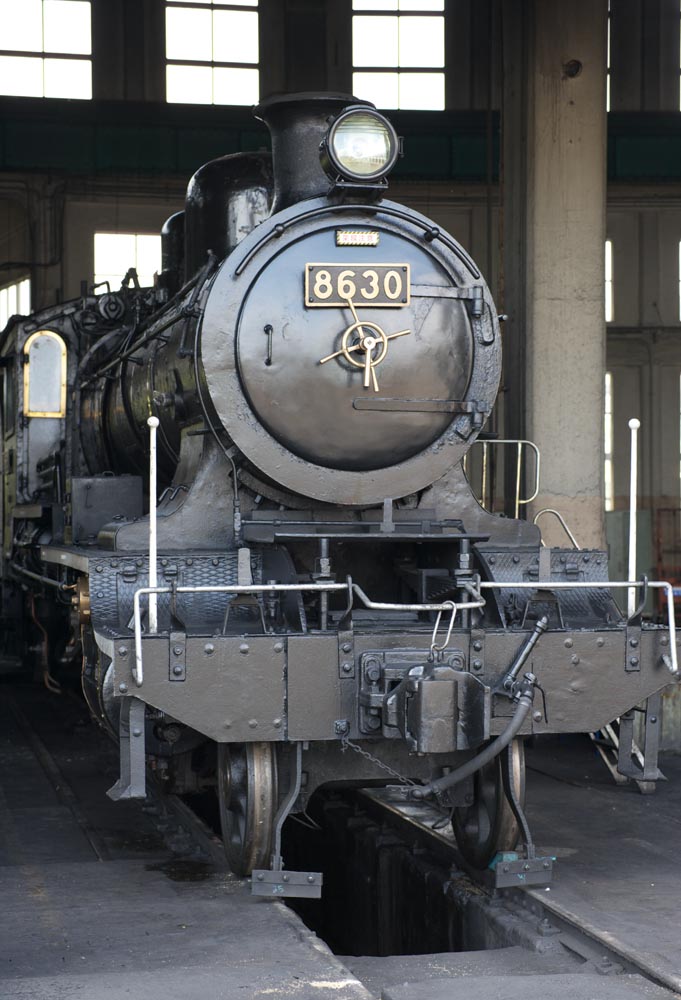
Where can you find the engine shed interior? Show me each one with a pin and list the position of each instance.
(340, 419)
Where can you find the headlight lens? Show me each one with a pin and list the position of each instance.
(362, 145)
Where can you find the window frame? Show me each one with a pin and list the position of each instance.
(105, 277)
(44, 54)
(26, 358)
(211, 64)
(397, 69)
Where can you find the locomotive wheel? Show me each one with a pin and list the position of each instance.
(489, 824)
(247, 793)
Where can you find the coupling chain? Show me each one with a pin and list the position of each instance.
(348, 744)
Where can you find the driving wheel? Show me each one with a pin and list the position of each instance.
(247, 793)
(488, 825)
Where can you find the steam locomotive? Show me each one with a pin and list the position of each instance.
(236, 502)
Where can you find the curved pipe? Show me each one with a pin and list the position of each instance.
(488, 754)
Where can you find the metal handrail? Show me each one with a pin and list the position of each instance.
(267, 588)
(478, 601)
(556, 513)
(520, 444)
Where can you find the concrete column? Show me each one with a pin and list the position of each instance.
(555, 98)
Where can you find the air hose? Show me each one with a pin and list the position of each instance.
(524, 698)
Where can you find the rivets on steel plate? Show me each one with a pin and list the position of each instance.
(243, 648)
(568, 643)
(209, 649)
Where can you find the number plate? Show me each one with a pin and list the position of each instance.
(365, 284)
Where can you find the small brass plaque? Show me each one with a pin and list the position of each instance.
(384, 285)
(356, 238)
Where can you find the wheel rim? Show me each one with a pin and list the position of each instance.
(247, 795)
(489, 825)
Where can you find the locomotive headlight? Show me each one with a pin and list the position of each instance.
(361, 145)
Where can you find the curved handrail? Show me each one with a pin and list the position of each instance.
(552, 510)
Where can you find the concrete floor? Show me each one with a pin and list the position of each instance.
(618, 851)
(96, 907)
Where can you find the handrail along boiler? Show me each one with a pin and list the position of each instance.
(327, 602)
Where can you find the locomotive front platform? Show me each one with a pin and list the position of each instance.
(110, 901)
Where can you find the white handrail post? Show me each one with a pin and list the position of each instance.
(152, 423)
(634, 425)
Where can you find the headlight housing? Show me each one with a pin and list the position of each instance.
(361, 147)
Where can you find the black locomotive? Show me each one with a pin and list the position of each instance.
(316, 591)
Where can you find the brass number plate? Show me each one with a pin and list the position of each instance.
(363, 284)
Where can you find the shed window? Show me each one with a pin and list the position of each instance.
(398, 53)
(15, 299)
(46, 48)
(44, 375)
(212, 52)
(115, 253)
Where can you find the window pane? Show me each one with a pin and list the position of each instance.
(380, 88)
(609, 483)
(67, 26)
(21, 76)
(422, 41)
(114, 253)
(236, 86)
(68, 78)
(189, 34)
(25, 296)
(235, 36)
(374, 41)
(609, 310)
(189, 84)
(45, 373)
(374, 4)
(148, 258)
(22, 25)
(422, 4)
(422, 91)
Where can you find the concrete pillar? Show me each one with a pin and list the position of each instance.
(554, 233)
